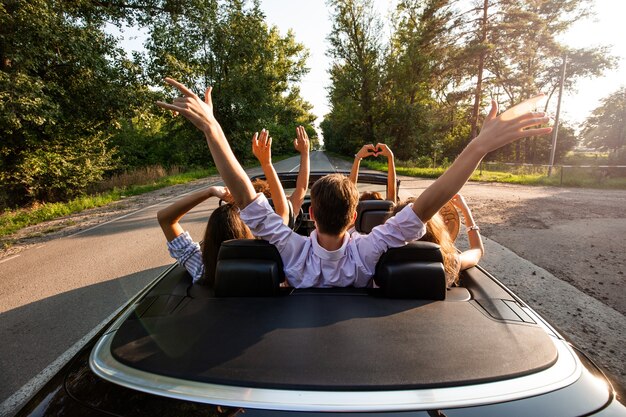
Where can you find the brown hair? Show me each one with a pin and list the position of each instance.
(224, 224)
(261, 186)
(333, 200)
(437, 232)
(370, 195)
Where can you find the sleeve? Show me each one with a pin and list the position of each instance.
(188, 254)
(266, 224)
(397, 231)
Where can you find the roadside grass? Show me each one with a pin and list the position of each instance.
(13, 220)
(571, 178)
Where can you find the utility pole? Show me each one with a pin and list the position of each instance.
(555, 131)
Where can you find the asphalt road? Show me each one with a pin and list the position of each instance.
(54, 294)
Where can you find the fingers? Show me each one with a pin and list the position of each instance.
(168, 106)
(207, 96)
(264, 138)
(180, 87)
(493, 111)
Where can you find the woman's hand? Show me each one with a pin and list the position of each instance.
(262, 147)
(459, 202)
(301, 142)
(222, 193)
(383, 149)
(365, 151)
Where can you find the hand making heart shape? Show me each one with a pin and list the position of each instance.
(370, 150)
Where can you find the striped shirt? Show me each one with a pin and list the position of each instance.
(188, 254)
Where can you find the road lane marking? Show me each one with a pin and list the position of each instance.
(144, 208)
(12, 404)
(297, 166)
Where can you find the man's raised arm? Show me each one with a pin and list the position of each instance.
(200, 113)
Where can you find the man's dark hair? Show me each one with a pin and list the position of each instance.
(333, 200)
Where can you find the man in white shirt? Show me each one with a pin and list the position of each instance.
(331, 257)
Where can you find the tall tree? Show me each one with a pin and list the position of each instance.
(64, 85)
(605, 128)
(419, 73)
(355, 47)
(527, 55)
(252, 68)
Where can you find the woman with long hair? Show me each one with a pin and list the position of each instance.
(437, 231)
(223, 224)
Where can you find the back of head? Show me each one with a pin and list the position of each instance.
(261, 186)
(334, 199)
(224, 224)
(370, 195)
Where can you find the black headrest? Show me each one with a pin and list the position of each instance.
(248, 268)
(371, 213)
(412, 271)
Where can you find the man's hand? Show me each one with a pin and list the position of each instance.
(301, 142)
(511, 125)
(262, 147)
(198, 112)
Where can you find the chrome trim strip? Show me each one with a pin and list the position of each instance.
(564, 372)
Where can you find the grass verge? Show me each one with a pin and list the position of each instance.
(13, 220)
(570, 179)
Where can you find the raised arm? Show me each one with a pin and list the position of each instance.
(364, 152)
(495, 133)
(301, 143)
(262, 149)
(170, 216)
(200, 113)
(391, 171)
(472, 256)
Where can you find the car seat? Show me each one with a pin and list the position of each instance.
(371, 213)
(248, 268)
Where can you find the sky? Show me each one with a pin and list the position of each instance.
(311, 24)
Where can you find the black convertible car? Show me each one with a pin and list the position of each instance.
(410, 347)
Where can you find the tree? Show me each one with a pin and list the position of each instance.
(252, 68)
(418, 74)
(64, 86)
(526, 55)
(355, 75)
(605, 128)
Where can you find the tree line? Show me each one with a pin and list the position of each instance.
(74, 108)
(418, 82)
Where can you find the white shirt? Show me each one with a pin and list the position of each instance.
(307, 264)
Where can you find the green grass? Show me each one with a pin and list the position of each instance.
(579, 179)
(13, 220)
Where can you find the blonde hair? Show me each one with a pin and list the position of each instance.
(437, 232)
